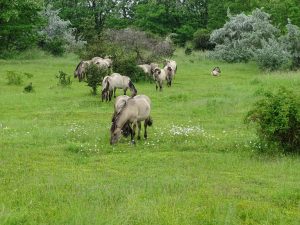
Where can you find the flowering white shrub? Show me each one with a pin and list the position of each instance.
(272, 56)
(237, 40)
(58, 33)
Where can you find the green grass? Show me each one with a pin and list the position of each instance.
(197, 166)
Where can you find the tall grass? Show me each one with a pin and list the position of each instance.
(197, 166)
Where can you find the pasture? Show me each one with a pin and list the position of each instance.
(198, 165)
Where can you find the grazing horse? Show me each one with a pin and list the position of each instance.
(81, 69)
(134, 111)
(216, 71)
(114, 81)
(160, 75)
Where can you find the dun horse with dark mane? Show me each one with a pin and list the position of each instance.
(133, 112)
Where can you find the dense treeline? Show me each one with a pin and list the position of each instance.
(20, 20)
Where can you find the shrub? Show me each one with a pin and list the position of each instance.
(272, 56)
(28, 88)
(14, 78)
(64, 79)
(242, 35)
(201, 40)
(94, 77)
(126, 65)
(188, 51)
(278, 120)
(291, 41)
(55, 46)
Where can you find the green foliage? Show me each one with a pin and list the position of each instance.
(14, 78)
(201, 40)
(188, 51)
(64, 79)
(184, 34)
(94, 77)
(278, 120)
(126, 65)
(19, 22)
(28, 88)
(272, 56)
(55, 46)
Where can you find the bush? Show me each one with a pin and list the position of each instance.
(272, 56)
(127, 66)
(278, 120)
(64, 79)
(201, 40)
(237, 40)
(188, 51)
(291, 42)
(94, 77)
(28, 88)
(55, 46)
(14, 78)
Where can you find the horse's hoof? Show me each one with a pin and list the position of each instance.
(145, 136)
(133, 142)
(139, 138)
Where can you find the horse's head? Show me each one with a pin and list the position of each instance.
(115, 135)
(132, 88)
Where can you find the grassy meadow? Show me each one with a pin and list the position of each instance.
(198, 166)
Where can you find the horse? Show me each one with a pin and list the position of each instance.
(216, 71)
(172, 64)
(134, 111)
(81, 69)
(114, 81)
(148, 68)
(160, 75)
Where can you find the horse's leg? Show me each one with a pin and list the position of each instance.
(133, 133)
(160, 85)
(156, 84)
(115, 92)
(139, 130)
(125, 91)
(145, 129)
(110, 93)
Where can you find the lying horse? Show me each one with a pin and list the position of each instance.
(114, 81)
(134, 111)
(216, 71)
(161, 75)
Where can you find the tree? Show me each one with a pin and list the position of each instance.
(19, 22)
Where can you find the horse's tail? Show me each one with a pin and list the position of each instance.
(149, 121)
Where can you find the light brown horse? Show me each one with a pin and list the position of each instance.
(114, 81)
(134, 111)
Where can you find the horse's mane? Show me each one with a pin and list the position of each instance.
(116, 117)
(78, 65)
